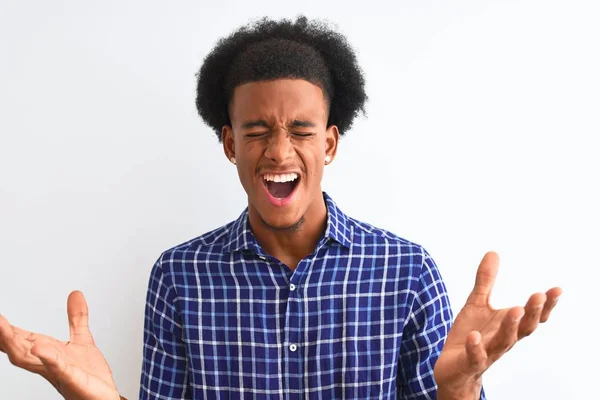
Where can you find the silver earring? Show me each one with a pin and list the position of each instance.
(232, 159)
(327, 159)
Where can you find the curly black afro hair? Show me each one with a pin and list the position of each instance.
(267, 50)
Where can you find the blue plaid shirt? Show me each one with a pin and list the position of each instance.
(363, 317)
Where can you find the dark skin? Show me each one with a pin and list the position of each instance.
(77, 369)
(282, 126)
(481, 334)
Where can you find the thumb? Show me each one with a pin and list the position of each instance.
(77, 311)
(485, 279)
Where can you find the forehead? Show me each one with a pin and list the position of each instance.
(278, 100)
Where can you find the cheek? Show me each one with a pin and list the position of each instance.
(246, 165)
(312, 158)
(314, 168)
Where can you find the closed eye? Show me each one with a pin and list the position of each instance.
(303, 134)
(256, 134)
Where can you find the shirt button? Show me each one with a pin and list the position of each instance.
(293, 347)
(262, 258)
(292, 287)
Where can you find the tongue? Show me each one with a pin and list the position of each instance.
(281, 190)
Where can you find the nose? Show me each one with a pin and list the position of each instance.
(279, 147)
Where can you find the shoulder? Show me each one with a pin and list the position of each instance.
(193, 251)
(369, 234)
(395, 249)
(403, 263)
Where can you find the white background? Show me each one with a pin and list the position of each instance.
(481, 135)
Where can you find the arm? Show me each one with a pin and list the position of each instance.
(165, 369)
(425, 332)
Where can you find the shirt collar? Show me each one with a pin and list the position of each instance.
(240, 237)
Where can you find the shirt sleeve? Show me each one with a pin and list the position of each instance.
(164, 366)
(424, 335)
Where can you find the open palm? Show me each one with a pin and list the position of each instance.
(481, 334)
(77, 369)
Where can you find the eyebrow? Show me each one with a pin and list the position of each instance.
(297, 123)
(302, 124)
(254, 124)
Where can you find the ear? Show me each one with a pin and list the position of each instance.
(228, 141)
(332, 136)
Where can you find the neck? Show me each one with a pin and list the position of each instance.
(291, 244)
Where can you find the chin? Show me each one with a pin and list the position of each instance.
(279, 219)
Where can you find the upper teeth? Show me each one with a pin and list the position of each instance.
(280, 177)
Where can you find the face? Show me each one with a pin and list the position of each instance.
(280, 138)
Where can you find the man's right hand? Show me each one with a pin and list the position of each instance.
(75, 368)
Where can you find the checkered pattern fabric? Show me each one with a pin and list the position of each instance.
(363, 317)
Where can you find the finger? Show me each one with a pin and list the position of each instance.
(10, 344)
(35, 337)
(6, 325)
(17, 348)
(476, 353)
(5, 328)
(6, 333)
(484, 280)
(78, 319)
(506, 335)
(533, 311)
(22, 332)
(552, 296)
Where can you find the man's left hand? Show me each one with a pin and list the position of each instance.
(481, 334)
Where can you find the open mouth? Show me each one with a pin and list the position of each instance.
(281, 186)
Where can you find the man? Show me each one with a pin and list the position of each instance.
(293, 299)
